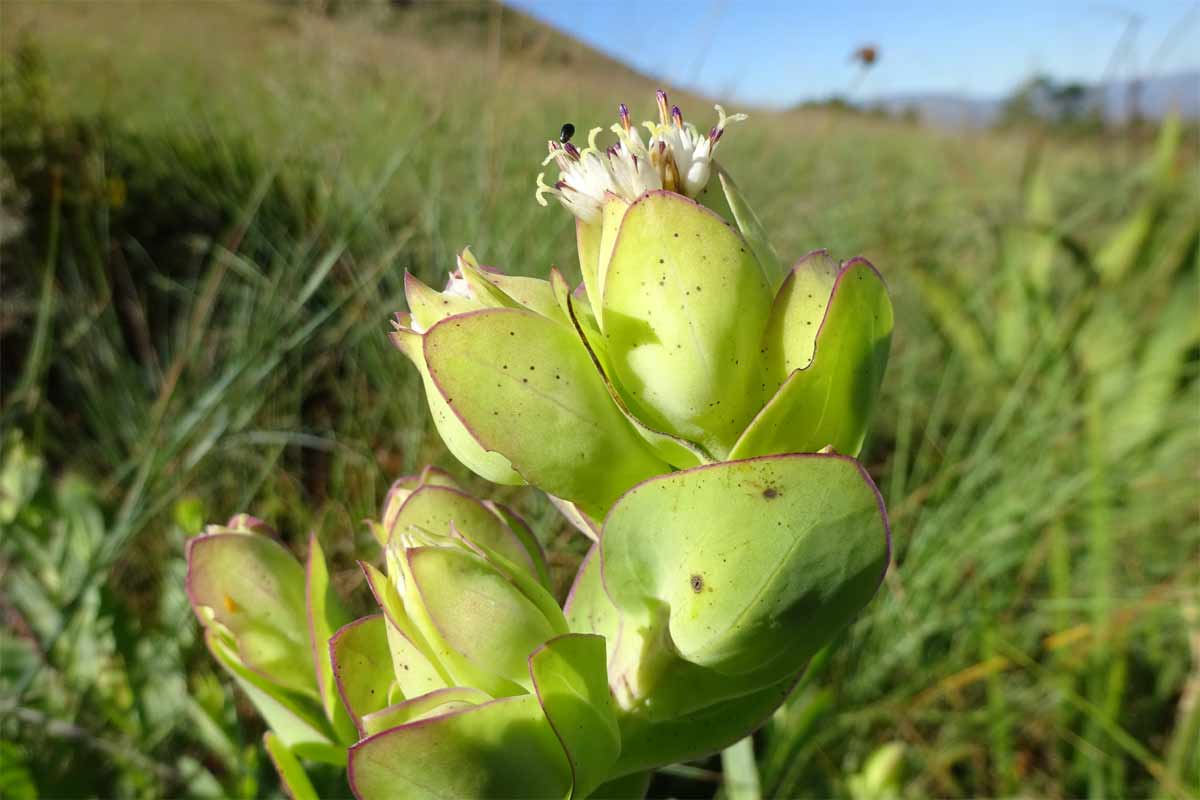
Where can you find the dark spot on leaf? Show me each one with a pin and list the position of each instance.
(697, 583)
(770, 493)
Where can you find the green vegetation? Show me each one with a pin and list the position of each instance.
(207, 214)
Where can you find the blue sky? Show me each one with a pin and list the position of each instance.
(776, 52)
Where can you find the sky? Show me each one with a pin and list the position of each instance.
(776, 53)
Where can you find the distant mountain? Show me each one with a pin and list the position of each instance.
(1157, 96)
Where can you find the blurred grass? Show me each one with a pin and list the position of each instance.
(207, 212)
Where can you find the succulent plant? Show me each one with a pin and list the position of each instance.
(691, 406)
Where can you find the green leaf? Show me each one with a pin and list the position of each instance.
(429, 306)
(291, 774)
(325, 615)
(459, 440)
(515, 291)
(587, 241)
(530, 541)
(830, 401)
(752, 229)
(433, 704)
(296, 719)
(753, 565)
(505, 748)
(796, 315)
(571, 682)
(684, 307)
(526, 388)
(648, 743)
(253, 587)
(435, 509)
(362, 667)
(481, 626)
(677, 452)
(587, 608)
(414, 667)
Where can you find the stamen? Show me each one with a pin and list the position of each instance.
(677, 116)
(663, 114)
(623, 113)
(592, 134)
(543, 190)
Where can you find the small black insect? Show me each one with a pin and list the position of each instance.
(568, 130)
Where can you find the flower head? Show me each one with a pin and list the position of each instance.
(675, 157)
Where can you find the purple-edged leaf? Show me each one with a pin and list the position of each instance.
(458, 439)
(435, 509)
(429, 305)
(505, 748)
(296, 718)
(254, 588)
(325, 615)
(436, 703)
(413, 665)
(480, 625)
(684, 307)
(513, 291)
(362, 667)
(755, 564)
(829, 402)
(571, 682)
(526, 388)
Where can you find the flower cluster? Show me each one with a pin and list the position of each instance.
(675, 157)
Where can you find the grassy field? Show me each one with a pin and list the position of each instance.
(207, 213)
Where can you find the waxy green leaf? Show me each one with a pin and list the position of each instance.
(684, 308)
(830, 401)
(796, 316)
(571, 682)
(362, 667)
(526, 388)
(436, 703)
(505, 748)
(254, 588)
(296, 718)
(675, 451)
(291, 774)
(458, 439)
(481, 626)
(751, 228)
(435, 509)
(751, 565)
(325, 615)
(415, 669)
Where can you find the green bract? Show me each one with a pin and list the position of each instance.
(691, 407)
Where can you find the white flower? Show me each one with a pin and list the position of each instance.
(675, 157)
